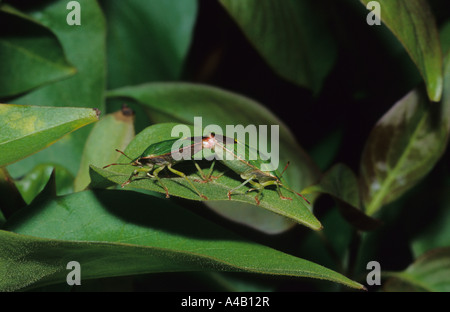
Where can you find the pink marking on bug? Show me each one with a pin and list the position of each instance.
(209, 142)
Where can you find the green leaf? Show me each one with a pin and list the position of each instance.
(34, 182)
(404, 146)
(85, 48)
(414, 25)
(445, 37)
(147, 40)
(28, 129)
(109, 238)
(430, 272)
(114, 131)
(341, 183)
(292, 36)
(31, 55)
(181, 102)
(295, 209)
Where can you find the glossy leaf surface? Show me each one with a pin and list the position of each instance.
(28, 129)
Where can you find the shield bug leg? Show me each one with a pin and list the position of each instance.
(181, 174)
(135, 173)
(277, 184)
(257, 196)
(155, 175)
(281, 195)
(205, 178)
(259, 190)
(259, 187)
(238, 187)
(208, 177)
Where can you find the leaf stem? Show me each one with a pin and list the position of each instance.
(354, 248)
(329, 248)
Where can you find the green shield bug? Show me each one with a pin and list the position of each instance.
(159, 156)
(249, 170)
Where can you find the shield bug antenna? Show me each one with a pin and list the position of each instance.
(121, 164)
(282, 185)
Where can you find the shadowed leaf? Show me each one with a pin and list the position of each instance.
(404, 146)
(292, 36)
(147, 40)
(85, 48)
(430, 272)
(341, 183)
(413, 23)
(31, 54)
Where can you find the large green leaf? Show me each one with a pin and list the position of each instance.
(413, 23)
(292, 36)
(84, 47)
(31, 55)
(147, 40)
(295, 209)
(404, 146)
(108, 237)
(114, 131)
(28, 129)
(430, 272)
(181, 102)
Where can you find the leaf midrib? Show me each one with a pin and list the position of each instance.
(37, 57)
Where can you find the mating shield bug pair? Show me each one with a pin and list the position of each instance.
(159, 156)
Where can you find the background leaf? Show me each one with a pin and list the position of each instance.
(32, 184)
(28, 129)
(31, 55)
(403, 147)
(445, 37)
(292, 37)
(430, 272)
(413, 23)
(114, 131)
(341, 183)
(111, 239)
(147, 40)
(85, 48)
